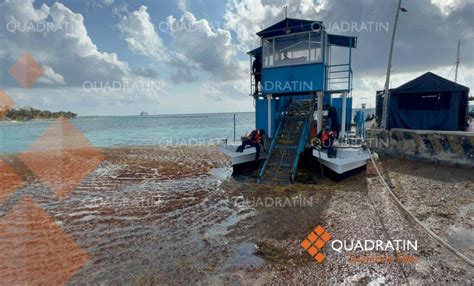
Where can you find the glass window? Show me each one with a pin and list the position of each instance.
(268, 52)
(292, 49)
(315, 50)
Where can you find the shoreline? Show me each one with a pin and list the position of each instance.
(153, 205)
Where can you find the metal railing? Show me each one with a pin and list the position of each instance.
(339, 77)
(252, 85)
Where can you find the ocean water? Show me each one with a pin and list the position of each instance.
(111, 131)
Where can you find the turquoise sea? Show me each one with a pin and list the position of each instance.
(110, 131)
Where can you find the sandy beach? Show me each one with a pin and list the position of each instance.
(146, 215)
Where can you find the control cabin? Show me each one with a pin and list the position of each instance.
(301, 60)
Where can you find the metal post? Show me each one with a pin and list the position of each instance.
(457, 62)
(251, 76)
(343, 116)
(386, 100)
(269, 99)
(319, 125)
(234, 127)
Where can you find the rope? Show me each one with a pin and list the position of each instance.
(431, 233)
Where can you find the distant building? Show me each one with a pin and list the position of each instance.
(428, 102)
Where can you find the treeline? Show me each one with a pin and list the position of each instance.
(28, 114)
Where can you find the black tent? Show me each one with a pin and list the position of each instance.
(429, 102)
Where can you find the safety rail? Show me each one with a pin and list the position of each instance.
(252, 85)
(302, 142)
(339, 77)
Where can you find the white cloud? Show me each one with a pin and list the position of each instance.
(247, 17)
(58, 39)
(182, 5)
(447, 6)
(209, 50)
(51, 77)
(141, 36)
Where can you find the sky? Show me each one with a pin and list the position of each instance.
(118, 57)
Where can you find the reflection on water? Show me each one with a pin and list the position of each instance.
(131, 221)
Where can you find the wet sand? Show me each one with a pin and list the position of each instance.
(151, 215)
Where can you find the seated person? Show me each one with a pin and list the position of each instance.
(327, 137)
(254, 139)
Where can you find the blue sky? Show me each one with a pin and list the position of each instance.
(119, 57)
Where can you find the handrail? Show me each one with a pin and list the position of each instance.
(338, 65)
(302, 140)
(339, 80)
(263, 166)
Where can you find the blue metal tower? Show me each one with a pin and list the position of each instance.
(301, 70)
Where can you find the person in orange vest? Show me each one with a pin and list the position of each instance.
(254, 139)
(327, 137)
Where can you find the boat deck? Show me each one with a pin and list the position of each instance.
(237, 158)
(347, 159)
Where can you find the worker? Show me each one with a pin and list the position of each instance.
(254, 139)
(257, 72)
(327, 137)
(332, 114)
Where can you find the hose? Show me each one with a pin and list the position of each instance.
(431, 233)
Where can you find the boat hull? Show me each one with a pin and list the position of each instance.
(346, 160)
(242, 162)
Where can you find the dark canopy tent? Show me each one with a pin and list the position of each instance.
(429, 102)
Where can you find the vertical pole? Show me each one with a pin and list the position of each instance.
(349, 83)
(457, 62)
(343, 117)
(251, 76)
(319, 125)
(269, 99)
(234, 127)
(386, 100)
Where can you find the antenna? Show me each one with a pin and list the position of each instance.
(458, 61)
(286, 12)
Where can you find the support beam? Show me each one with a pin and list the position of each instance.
(269, 99)
(343, 116)
(319, 125)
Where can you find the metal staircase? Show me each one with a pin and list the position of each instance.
(281, 162)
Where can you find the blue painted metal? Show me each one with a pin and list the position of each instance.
(293, 79)
(300, 81)
(360, 124)
(337, 103)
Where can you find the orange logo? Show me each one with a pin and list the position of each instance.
(26, 71)
(315, 242)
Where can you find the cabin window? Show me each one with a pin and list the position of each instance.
(267, 52)
(294, 49)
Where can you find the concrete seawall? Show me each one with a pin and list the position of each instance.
(444, 147)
